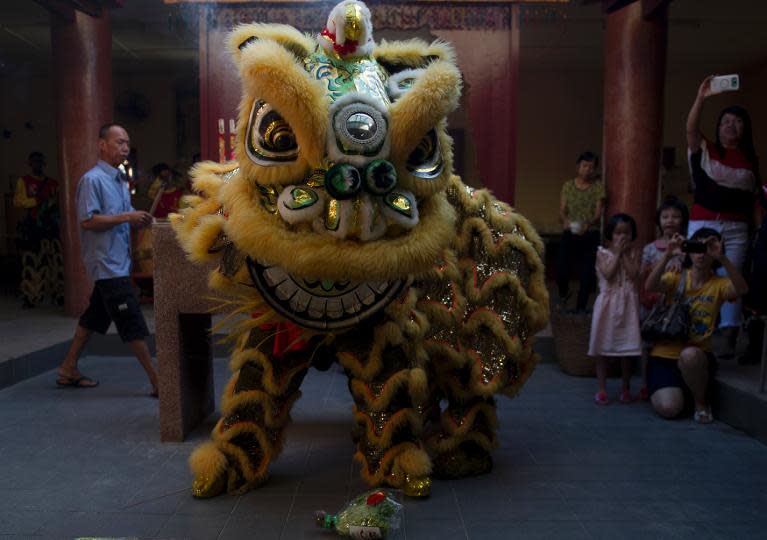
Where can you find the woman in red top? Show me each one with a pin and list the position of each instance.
(726, 178)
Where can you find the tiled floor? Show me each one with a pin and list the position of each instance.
(24, 331)
(89, 463)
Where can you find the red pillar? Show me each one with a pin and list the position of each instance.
(635, 68)
(511, 182)
(82, 56)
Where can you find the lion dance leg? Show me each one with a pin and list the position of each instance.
(467, 432)
(391, 397)
(255, 411)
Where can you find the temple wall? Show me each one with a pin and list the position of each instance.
(560, 116)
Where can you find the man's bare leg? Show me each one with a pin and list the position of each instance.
(68, 371)
(141, 350)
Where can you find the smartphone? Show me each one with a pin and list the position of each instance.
(725, 83)
(688, 246)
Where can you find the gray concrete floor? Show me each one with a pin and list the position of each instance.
(89, 463)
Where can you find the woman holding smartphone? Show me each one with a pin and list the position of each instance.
(725, 175)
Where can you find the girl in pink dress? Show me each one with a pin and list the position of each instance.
(615, 322)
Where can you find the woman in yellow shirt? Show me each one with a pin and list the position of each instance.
(581, 203)
(679, 368)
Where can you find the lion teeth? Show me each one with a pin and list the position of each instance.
(379, 287)
(317, 307)
(300, 301)
(365, 295)
(351, 303)
(274, 276)
(286, 289)
(334, 308)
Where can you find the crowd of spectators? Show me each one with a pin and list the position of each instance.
(703, 251)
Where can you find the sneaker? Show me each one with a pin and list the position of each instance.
(600, 398)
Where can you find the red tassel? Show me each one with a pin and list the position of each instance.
(285, 334)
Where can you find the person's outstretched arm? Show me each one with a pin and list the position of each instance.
(653, 282)
(694, 136)
(90, 210)
(738, 286)
(101, 222)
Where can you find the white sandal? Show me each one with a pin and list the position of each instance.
(703, 416)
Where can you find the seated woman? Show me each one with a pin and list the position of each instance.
(679, 371)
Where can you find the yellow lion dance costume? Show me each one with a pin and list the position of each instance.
(342, 216)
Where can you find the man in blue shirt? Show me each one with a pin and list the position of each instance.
(105, 215)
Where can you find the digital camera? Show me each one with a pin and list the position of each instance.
(689, 246)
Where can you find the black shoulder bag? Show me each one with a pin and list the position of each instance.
(669, 321)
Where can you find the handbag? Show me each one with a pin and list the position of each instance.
(669, 321)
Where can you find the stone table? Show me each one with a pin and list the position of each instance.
(183, 308)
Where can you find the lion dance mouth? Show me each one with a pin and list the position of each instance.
(321, 304)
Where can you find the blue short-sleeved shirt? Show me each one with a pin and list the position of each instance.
(106, 254)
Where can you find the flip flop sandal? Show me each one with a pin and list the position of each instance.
(76, 382)
(703, 416)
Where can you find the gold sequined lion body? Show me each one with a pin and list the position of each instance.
(341, 222)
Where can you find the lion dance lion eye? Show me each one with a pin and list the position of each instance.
(278, 137)
(269, 138)
(426, 160)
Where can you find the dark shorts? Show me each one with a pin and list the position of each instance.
(113, 300)
(664, 373)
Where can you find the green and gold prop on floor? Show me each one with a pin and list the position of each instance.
(374, 514)
(342, 235)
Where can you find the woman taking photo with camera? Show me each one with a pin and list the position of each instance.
(679, 371)
(725, 174)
